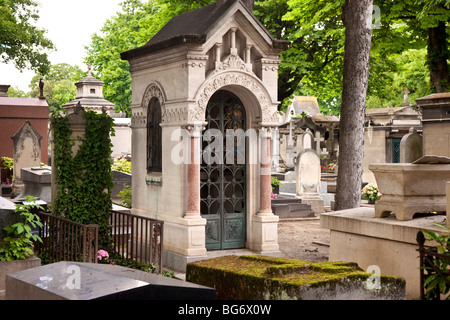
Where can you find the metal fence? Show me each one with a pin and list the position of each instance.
(65, 240)
(428, 266)
(134, 237)
(138, 238)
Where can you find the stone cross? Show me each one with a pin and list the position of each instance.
(405, 96)
(318, 140)
(290, 137)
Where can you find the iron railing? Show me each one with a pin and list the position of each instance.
(65, 240)
(428, 266)
(134, 237)
(138, 238)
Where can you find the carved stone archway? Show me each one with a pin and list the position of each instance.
(220, 80)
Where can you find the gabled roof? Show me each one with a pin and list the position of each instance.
(193, 27)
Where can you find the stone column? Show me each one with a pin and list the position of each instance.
(264, 229)
(265, 172)
(193, 168)
(218, 54)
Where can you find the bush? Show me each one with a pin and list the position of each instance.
(19, 240)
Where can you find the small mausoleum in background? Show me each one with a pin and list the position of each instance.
(207, 71)
(14, 112)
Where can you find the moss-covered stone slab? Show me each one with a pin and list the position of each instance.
(256, 277)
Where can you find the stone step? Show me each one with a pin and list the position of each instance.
(291, 208)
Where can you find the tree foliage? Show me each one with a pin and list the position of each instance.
(59, 85)
(20, 40)
(312, 65)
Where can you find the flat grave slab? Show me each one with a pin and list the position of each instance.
(83, 281)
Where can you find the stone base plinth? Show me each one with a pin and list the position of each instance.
(390, 244)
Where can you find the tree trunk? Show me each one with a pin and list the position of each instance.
(357, 18)
(438, 54)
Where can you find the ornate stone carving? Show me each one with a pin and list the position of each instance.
(154, 91)
(138, 119)
(175, 114)
(239, 78)
(232, 62)
(27, 131)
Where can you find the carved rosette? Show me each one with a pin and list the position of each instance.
(238, 78)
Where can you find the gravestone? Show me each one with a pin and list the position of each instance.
(291, 149)
(308, 180)
(84, 281)
(307, 139)
(27, 153)
(120, 180)
(411, 147)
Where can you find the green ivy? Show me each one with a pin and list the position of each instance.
(7, 162)
(84, 181)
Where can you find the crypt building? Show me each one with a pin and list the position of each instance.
(206, 73)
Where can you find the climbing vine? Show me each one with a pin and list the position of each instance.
(84, 180)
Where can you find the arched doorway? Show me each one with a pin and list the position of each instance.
(223, 173)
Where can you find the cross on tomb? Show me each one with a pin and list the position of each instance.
(318, 139)
(290, 137)
(405, 96)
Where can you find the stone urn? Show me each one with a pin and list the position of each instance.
(409, 188)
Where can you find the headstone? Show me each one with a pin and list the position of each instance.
(411, 147)
(308, 180)
(307, 139)
(83, 281)
(120, 180)
(27, 153)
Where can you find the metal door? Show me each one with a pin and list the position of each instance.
(222, 173)
(396, 150)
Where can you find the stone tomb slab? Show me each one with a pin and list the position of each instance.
(120, 180)
(84, 281)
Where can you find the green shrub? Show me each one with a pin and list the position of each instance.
(19, 240)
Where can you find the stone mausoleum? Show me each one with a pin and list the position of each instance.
(205, 73)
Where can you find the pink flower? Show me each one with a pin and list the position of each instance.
(102, 254)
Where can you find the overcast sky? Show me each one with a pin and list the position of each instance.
(69, 25)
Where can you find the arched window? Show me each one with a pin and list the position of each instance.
(154, 136)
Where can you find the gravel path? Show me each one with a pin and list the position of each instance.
(304, 240)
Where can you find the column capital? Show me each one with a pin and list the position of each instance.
(195, 128)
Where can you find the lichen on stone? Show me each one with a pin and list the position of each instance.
(264, 277)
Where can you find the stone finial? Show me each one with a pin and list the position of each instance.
(4, 90)
(41, 89)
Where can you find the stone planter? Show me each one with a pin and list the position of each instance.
(408, 188)
(7, 267)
